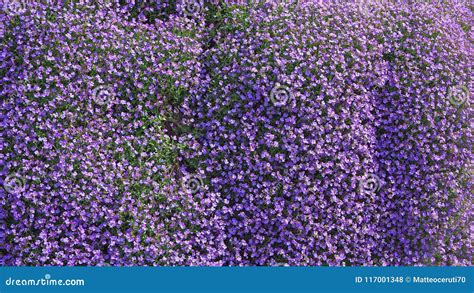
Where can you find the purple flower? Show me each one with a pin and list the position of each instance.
(323, 133)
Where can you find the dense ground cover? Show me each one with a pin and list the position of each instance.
(325, 133)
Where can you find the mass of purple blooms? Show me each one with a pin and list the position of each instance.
(303, 133)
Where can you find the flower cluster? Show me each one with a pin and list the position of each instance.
(332, 139)
(90, 102)
(305, 133)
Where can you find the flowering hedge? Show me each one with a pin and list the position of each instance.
(88, 124)
(312, 134)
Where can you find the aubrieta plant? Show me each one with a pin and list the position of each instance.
(205, 133)
(89, 110)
